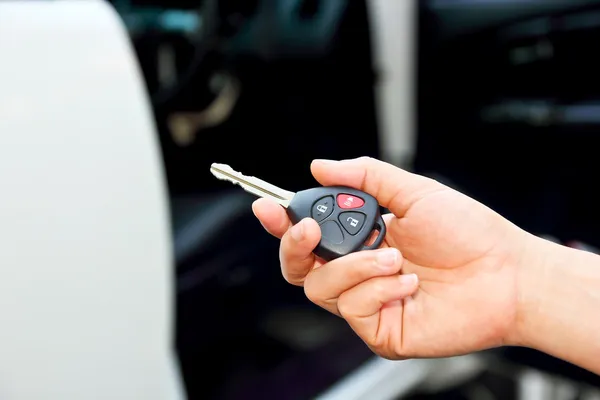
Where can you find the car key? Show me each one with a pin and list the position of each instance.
(347, 216)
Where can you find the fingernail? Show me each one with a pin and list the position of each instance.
(297, 232)
(387, 257)
(409, 279)
(326, 162)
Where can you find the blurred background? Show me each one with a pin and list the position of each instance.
(498, 98)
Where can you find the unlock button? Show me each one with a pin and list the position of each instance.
(352, 221)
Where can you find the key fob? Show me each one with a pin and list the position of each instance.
(347, 218)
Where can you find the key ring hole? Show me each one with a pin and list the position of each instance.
(374, 235)
(377, 235)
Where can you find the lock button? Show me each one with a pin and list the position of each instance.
(352, 221)
(322, 208)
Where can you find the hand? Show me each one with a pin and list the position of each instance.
(457, 290)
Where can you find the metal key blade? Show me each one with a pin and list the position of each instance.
(251, 184)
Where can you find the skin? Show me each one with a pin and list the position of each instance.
(452, 277)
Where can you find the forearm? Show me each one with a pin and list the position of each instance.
(560, 303)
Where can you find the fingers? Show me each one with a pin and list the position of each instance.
(366, 299)
(295, 251)
(297, 242)
(394, 188)
(324, 285)
(362, 305)
(272, 216)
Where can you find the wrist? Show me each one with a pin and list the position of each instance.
(548, 277)
(533, 273)
(558, 302)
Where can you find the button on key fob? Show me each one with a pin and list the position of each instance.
(347, 217)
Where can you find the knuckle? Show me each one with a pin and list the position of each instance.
(366, 162)
(431, 180)
(365, 159)
(344, 306)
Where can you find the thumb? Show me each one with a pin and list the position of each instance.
(394, 188)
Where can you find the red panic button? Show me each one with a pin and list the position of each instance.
(347, 201)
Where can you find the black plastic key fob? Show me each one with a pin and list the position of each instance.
(347, 218)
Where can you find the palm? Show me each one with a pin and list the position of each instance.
(451, 242)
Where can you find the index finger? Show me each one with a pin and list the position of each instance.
(393, 187)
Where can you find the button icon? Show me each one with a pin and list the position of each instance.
(352, 221)
(322, 208)
(347, 201)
